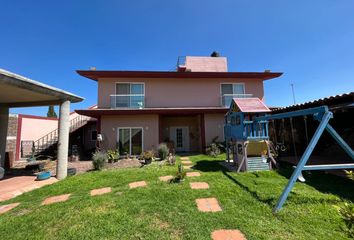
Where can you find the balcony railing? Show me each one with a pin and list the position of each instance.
(127, 101)
(227, 98)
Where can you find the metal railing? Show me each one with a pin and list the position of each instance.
(127, 101)
(227, 98)
(52, 137)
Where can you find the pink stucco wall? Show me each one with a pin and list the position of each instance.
(35, 128)
(206, 64)
(178, 92)
(149, 123)
(214, 126)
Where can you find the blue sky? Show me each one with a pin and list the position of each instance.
(312, 42)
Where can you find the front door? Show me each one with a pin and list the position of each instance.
(180, 137)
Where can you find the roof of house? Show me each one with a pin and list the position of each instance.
(95, 74)
(250, 105)
(163, 111)
(333, 102)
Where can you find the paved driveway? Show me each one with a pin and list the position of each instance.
(14, 186)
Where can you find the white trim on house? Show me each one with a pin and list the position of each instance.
(130, 133)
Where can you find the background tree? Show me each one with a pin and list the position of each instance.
(51, 112)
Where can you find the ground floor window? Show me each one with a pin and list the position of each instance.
(130, 141)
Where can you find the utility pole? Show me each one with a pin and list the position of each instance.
(292, 89)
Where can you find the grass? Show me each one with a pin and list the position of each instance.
(168, 211)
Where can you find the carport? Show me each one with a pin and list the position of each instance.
(19, 91)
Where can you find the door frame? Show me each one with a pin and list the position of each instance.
(130, 140)
(186, 143)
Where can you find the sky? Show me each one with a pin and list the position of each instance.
(311, 42)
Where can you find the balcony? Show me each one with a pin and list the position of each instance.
(136, 101)
(227, 98)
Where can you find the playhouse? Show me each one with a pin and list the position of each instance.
(248, 145)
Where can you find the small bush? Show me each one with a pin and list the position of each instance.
(162, 151)
(112, 155)
(171, 159)
(180, 174)
(99, 160)
(347, 213)
(148, 156)
(213, 150)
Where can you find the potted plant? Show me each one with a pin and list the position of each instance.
(112, 155)
(180, 175)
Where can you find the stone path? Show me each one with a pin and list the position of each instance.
(208, 205)
(186, 162)
(166, 178)
(8, 207)
(193, 174)
(15, 186)
(56, 199)
(227, 235)
(100, 191)
(199, 185)
(184, 158)
(137, 184)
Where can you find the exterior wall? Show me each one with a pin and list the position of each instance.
(33, 128)
(193, 122)
(214, 126)
(178, 92)
(4, 117)
(206, 64)
(149, 123)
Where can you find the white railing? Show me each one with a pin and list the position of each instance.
(127, 101)
(227, 98)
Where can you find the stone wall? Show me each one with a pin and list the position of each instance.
(12, 133)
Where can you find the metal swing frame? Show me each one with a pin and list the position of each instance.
(323, 115)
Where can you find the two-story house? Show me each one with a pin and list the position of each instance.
(137, 110)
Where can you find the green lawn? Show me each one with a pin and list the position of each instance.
(168, 211)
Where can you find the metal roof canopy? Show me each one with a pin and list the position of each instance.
(19, 91)
(249, 105)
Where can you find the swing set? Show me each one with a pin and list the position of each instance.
(322, 115)
(244, 133)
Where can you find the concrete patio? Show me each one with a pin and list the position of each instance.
(15, 186)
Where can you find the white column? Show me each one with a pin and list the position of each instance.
(4, 118)
(63, 141)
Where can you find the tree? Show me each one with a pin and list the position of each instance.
(51, 112)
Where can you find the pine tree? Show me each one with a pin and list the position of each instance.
(51, 112)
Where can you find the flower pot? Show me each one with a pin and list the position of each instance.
(43, 175)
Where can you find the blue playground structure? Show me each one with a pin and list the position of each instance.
(246, 127)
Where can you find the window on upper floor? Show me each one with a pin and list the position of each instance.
(230, 91)
(128, 95)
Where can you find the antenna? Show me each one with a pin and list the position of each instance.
(293, 91)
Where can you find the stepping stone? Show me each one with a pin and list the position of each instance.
(192, 174)
(199, 185)
(56, 199)
(187, 162)
(184, 158)
(166, 178)
(100, 191)
(227, 235)
(188, 167)
(8, 207)
(208, 205)
(137, 184)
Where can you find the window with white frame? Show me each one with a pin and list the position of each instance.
(230, 91)
(128, 95)
(130, 141)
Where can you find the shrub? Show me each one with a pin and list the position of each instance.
(347, 213)
(112, 155)
(171, 159)
(213, 150)
(180, 174)
(99, 160)
(148, 156)
(162, 151)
